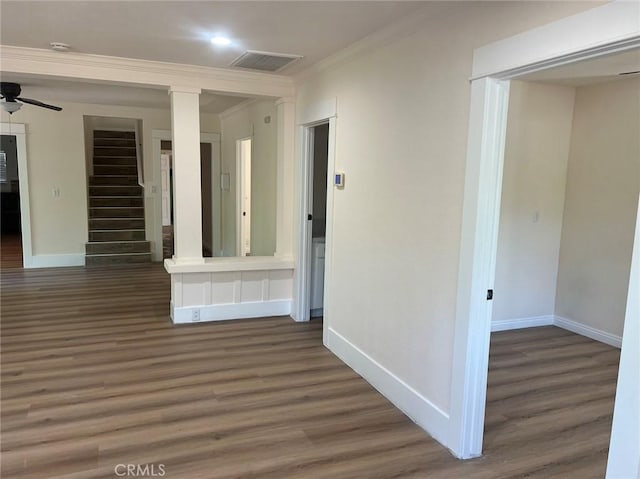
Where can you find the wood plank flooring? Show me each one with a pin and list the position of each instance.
(10, 251)
(95, 375)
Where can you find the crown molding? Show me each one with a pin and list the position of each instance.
(289, 99)
(386, 35)
(236, 108)
(129, 71)
(184, 89)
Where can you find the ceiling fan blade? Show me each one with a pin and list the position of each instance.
(39, 103)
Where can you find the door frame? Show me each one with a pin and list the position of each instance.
(19, 131)
(156, 187)
(320, 113)
(239, 189)
(602, 30)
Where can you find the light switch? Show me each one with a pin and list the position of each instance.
(225, 182)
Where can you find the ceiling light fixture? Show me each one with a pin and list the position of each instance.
(11, 106)
(221, 41)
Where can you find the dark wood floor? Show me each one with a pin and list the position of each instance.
(10, 251)
(95, 375)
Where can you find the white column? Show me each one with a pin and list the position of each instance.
(187, 204)
(285, 194)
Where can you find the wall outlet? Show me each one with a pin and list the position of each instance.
(195, 315)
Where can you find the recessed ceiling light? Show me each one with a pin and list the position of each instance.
(220, 41)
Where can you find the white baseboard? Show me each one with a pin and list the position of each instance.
(519, 323)
(223, 312)
(54, 260)
(421, 411)
(559, 321)
(588, 331)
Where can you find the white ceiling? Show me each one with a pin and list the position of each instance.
(52, 91)
(180, 31)
(597, 70)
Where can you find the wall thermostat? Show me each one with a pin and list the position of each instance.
(339, 180)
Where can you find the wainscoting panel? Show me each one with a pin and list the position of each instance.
(222, 295)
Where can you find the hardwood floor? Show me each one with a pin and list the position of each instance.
(10, 251)
(95, 375)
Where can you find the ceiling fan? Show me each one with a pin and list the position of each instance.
(10, 92)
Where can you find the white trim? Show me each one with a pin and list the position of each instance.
(56, 260)
(520, 323)
(302, 294)
(419, 409)
(573, 38)
(319, 112)
(228, 264)
(401, 28)
(224, 312)
(602, 30)
(478, 247)
(588, 331)
(144, 73)
(19, 131)
(624, 447)
(239, 191)
(560, 322)
(316, 114)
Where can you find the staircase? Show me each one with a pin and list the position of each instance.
(116, 202)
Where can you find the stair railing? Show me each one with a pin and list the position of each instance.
(139, 157)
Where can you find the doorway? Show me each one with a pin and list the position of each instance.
(568, 209)
(10, 221)
(593, 35)
(243, 161)
(210, 188)
(318, 170)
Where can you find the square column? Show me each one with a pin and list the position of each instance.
(187, 202)
(285, 166)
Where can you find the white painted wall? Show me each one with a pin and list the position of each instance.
(248, 121)
(401, 133)
(624, 450)
(533, 190)
(56, 149)
(600, 207)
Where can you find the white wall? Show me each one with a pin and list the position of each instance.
(403, 111)
(624, 451)
(56, 155)
(600, 208)
(533, 190)
(242, 123)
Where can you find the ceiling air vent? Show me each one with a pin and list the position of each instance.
(264, 61)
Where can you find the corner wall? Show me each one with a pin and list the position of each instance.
(533, 190)
(600, 208)
(401, 135)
